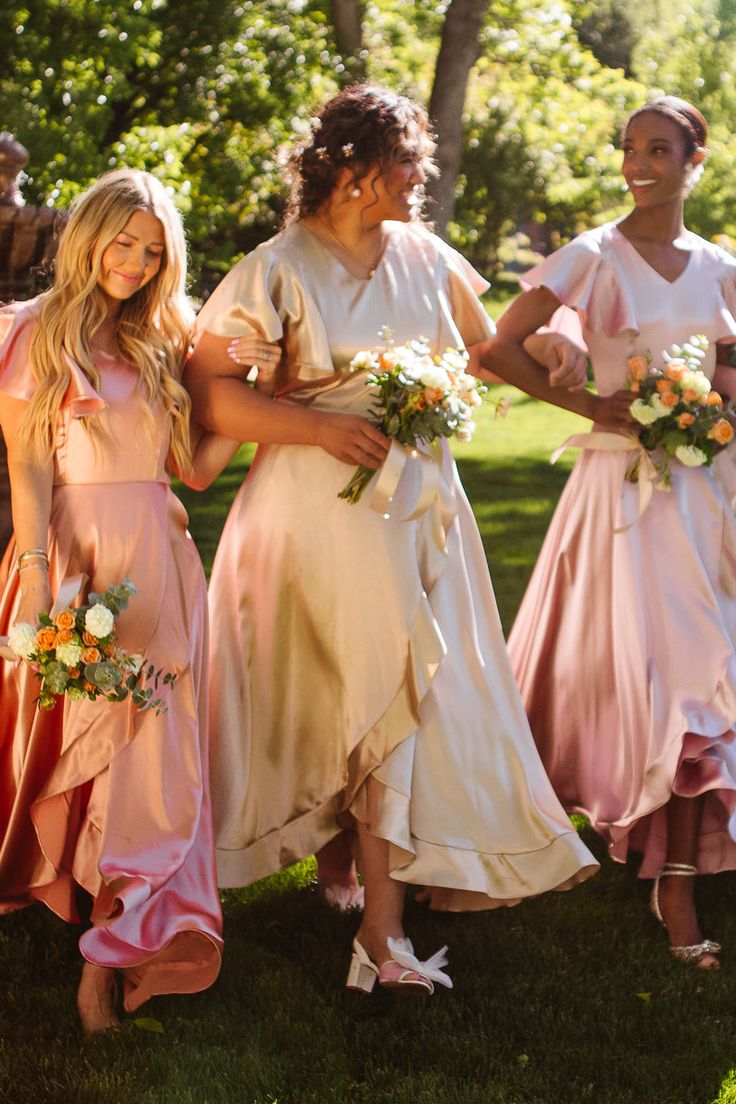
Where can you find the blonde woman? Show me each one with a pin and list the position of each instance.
(100, 796)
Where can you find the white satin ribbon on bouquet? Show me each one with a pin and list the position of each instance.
(649, 478)
(66, 594)
(402, 951)
(391, 471)
(429, 496)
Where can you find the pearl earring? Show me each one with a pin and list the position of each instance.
(356, 192)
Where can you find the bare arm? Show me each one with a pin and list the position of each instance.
(225, 404)
(211, 454)
(506, 355)
(31, 485)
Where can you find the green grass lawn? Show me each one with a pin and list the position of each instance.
(566, 999)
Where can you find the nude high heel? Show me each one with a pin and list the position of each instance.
(403, 971)
(692, 952)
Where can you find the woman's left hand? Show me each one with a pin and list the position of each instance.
(566, 362)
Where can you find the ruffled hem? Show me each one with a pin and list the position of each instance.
(188, 963)
(305, 834)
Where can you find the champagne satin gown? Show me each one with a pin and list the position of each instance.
(358, 664)
(625, 643)
(100, 795)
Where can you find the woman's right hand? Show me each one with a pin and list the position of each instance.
(614, 411)
(352, 439)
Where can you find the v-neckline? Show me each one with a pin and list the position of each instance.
(650, 267)
(328, 249)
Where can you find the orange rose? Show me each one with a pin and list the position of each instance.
(674, 373)
(690, 396)
(635, 387)
(74, 672)
(46, 639)
(89, 639)
(91, 655)
(669, 398)
(722, 432)
(663, 386)
(65, 619)
(685, 420)
(90, 687)
(714, 399)
(64, 636)
(638, 367)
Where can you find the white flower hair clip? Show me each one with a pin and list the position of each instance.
(347, 150)
(693, 174)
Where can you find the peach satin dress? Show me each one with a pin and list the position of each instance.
(101, 795)
(358, 664)
(625, 642)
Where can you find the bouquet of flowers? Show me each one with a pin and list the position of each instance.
(419, 397)
(681, 417)
(76, 653)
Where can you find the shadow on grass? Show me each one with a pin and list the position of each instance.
(568, 998)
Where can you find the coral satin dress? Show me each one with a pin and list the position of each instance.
(358, 664)
(101, 795)
(625, 642)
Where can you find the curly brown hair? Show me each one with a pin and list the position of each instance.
(690, 121)
(365, 126)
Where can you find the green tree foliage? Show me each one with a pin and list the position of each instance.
(208, 93)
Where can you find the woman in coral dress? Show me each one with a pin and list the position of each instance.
(625, 644)
(359, 673)
(98, 795)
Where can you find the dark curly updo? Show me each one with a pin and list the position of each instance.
(363, 127)
(691, 123)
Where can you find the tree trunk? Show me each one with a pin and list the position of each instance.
(457, 55)
(347, 22)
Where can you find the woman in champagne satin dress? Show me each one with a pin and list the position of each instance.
(625, 642)
(98, 795)
(359, 673)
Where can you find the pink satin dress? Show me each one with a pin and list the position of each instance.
(100, 795)
(625, 643)
(358, 665)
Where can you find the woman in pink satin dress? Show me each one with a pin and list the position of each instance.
(625, 643)
(359, 674)
(99, 795)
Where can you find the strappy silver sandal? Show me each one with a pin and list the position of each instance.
(692, 952)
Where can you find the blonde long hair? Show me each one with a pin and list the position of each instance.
(153, 325)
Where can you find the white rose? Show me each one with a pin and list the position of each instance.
(695, 381)
(22, 639)
(661, 410)
(432, 375)
(69, 654)
(690, 456)
(99, 621)
(643, 412)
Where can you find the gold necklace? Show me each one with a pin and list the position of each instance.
(370, 268)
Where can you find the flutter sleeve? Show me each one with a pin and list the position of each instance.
(727, 313)
(586, 276)
(17, 324)
(263, 294)
(466, 287)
